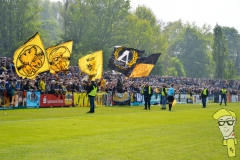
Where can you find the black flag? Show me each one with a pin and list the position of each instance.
(124, 59)
(145, 65)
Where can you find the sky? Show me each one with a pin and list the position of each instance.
(210, 12)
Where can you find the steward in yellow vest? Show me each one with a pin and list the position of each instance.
(147, 93)
(164, 97)
(223, 96)
(92, 91)
(204, 95)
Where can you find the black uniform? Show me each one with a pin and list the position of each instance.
(147, 93)
(223, 95)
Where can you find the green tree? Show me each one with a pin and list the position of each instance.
(169, 34)
(19, 21)
(230, 71)
(50, 22)
(144, 32)
(176, 63)
(94, 24)
(233, 44)
(191, 49)
(173, 29)
(220, 52)
(172, 71)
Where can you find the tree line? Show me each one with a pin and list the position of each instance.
(187, 49)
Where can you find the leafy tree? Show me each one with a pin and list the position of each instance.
(220, 52)
(169, 34)
(172, 72)
(158, 69)
(173, 29)
(176, 63)
(50, 23)
(206, 32)
(230, 71)
(94, 24)
(140, 34)
(19, 21)
(144, 32)
(191, 49)
(233, 44)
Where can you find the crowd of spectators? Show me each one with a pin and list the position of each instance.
(75, 81)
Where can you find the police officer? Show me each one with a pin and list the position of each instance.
(92, 91)
(147, 93)
(204, 95)
(223, 95)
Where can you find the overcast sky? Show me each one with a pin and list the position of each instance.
(211, 12)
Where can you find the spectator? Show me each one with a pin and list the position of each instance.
(10, 89)
(42, 86)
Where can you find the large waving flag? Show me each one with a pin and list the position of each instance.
(92, 65)
(145, 65)
(59, 57)
(124, 59)
(30, 59)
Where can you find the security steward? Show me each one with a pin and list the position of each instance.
(147, 93)
(204, 95)
(223, 95)
(164, 97)
(92, 91)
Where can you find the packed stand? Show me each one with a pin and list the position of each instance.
(76, 81)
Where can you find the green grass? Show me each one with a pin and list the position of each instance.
(114, 133)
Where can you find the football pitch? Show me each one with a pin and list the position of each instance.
(115, 133)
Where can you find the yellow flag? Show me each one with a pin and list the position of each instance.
(141, 70)
(59, 57)
(92, 64)
(30, 59)
(145, 65)
(174, 102)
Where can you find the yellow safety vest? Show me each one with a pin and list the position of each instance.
(224, 91)
(204, 92)
(162, 93)
(93, 92)
(149, 90)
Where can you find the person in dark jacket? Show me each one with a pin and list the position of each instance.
(91, 92)
(10, 88)
(147, 92)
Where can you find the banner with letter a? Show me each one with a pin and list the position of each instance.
(124, 59)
